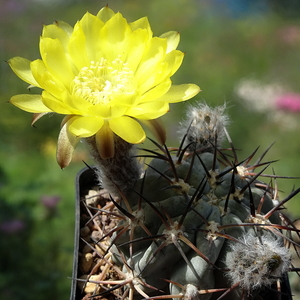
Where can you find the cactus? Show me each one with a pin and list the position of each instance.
(196, 223)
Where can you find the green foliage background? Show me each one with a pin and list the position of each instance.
(222, 45)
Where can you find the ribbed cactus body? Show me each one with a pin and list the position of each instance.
(199, 223)
(186, 213)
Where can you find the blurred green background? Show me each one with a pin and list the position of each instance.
(244, 53)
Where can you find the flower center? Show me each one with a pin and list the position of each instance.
(102, 81)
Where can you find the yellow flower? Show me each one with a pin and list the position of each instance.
(106, 75)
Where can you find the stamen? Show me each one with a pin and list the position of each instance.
(102, 81)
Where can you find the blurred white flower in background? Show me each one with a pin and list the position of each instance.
(277, 101)
(258, 96)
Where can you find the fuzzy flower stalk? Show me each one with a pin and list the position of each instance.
(107, 76)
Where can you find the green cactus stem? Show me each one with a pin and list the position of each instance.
(198, 223)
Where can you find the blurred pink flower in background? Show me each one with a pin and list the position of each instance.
(12, 226)
(290, 35)
(50, 202)
(12, 6)
(289, 102)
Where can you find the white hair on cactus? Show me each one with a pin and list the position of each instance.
(257, 261)
(204, 126)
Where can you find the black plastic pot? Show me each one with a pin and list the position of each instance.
(85, 180)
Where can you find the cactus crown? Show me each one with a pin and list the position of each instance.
(198, 223)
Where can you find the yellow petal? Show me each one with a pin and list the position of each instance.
(182, 92)
(54, 31)
(156, 92)
(162, 70)
(114, 38)
(65, 146)
(107, 111)
(30, 103)
(45, 79)
(64, 26)
(85, 126)
(105, 14)
(128, 129)
(77, 48)
(173, 38)
(142, 23)
(77, 105)
(158, 74)
(55, 104)
(91, 26)
(174, 60)
(105, 142)
(152, 59)
(153, 68)
(136, 47)
(21, 67)
(56, 60)
(149, 110)
(117, 21)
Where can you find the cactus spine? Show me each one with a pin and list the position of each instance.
(197, 223)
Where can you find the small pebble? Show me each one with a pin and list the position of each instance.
(84, 231)
(86, 262)
(92, 198)
(96, 235)
(87, 249)
(99, 250)
(89, 287)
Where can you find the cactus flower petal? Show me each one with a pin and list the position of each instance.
(21, 67)
(105, 142)
(157, 129)
(36, 117)
(65, 146)
(178, 93)
(30, 103)
(79, 127)
(129, 129)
